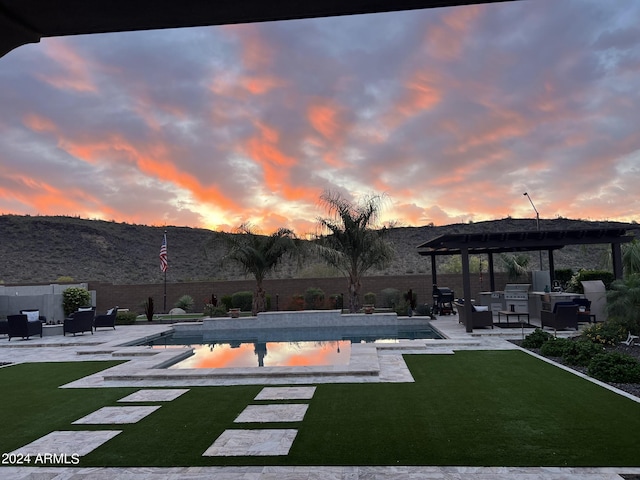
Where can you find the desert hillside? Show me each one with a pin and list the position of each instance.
(37, 249)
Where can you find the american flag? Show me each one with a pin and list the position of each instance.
(164, 264)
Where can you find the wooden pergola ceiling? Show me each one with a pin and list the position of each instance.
(27, 21)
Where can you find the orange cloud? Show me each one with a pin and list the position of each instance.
(76, 69)
(446, 41)
(323, 117)
(38, 123)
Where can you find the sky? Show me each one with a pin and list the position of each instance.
(450, 113)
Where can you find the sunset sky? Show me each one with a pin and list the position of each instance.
(453, 113)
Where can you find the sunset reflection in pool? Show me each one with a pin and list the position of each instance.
(273, 354)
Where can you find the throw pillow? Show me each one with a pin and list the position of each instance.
(33, 316)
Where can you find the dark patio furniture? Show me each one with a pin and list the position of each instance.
(106, 320)
(479, 319)
(79, 322)
(19, 326)
(562, 316)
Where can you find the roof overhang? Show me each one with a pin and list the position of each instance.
(27, 21)
(524, 241)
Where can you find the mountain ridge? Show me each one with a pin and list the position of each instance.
(46, 249)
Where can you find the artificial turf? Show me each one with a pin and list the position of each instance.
(483, 408)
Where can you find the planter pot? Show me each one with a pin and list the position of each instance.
(234, 312)
(368, 309)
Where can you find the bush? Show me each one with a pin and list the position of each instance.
(390, 298)
(296, 302)
(425, 310)
(336, 301)
(214, 311)
(615, 367)
(313, 298)
(370, 298)
(226, 301)
(580, 352)
(126, 318)
(185, 302)
(607, 333)
(536, 339)
(575, 284)
(242, 300)
(554, 347)
(74, 297)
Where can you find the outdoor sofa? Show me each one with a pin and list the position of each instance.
(80, 321)
(20, 326)
(106, 320)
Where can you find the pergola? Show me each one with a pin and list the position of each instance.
(466, 244)
(27, 21)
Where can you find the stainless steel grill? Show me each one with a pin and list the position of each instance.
(516, 297)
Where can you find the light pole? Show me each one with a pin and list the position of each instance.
(537, 222)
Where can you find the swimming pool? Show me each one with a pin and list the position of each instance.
(276, 347)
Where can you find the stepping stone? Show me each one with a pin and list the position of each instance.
(68, 442)
(286, 393)
(155, 395)
(114, 415)
(272, 413)
(238, 443)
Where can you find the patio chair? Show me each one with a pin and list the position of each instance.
(478, 318)
(4, 327)
(562, 316)
(79, 322)
(106, 320)
(631, 340)
(20, 326)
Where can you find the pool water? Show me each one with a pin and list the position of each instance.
(284, 347)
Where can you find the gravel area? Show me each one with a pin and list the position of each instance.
(634, 351)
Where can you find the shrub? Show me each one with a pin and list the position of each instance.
(615, 367)
(126, 318)
(148, 309)
(185, 302)
(242, 300)
(563, 275)
(226, 301)
(74, 297)
(296, 302)
(313, 298)
(211, 310)
(575, 284)
(580, 352)
(426, 310)
(607, 333)
(554, 347)
(536, 339)
(390, 298)
(336, 300)
(370, 298)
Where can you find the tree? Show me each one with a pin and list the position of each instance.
(516, 265)
(623, 303)
(631, 258)
(258, 255)
(352, 244)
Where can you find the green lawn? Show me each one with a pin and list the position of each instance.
(501, 408)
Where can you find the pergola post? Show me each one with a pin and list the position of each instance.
(616, 256)
(466, 287)
(492, 279)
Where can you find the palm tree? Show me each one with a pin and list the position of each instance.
(352, 244)
(258, 255)
(631, 257)
(516, 264)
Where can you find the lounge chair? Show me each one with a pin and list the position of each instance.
(20, 326)
(631, 340)
(562, 316)
(79, 322)
(106, 320)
